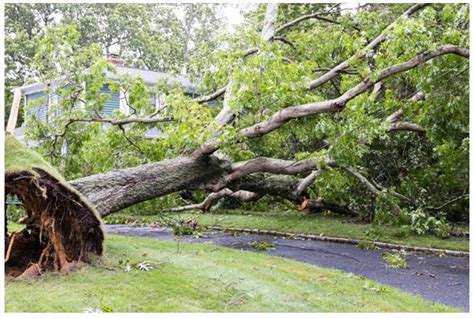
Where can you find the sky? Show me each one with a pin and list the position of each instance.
(231, 12)
(234, 17)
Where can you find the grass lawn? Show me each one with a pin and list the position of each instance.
(199, 278)
(298, 222)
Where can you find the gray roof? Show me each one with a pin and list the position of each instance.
(33, 88)
(150, 78)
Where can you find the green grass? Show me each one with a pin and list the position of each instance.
(298, 222)
(202, 278)
(19, 157)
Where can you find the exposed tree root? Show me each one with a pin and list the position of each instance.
(61, 229)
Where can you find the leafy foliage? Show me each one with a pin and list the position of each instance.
(186, 227)
(262, 245)
(366, 245)
(422, 223)
(395, 260)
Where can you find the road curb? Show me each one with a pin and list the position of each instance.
(425, 250)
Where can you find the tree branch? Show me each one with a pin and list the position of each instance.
(213, 198)
(285, 186)
(249, 52)
(346, 71)
(271, 14)
(317, 15)
(417, 97)
(12, 119)
(205, 205)
(121, 122)
(284, 40)
(319, 205)
(371, 187)
(130, 141)
(268, 31)
(286, 114)
(213, 96)
(395, 116)
(287, 167)
(219, 92)
(376, 92)
(271, 165)
(306, 182)
(226, 115)
(397, 125)
(447, 203)
(405, 126)
(375, 42)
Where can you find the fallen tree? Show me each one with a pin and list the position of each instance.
(111, 192)
(201, 170)
(114, 191)
(365, 93)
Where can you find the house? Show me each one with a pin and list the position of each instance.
(116, 102)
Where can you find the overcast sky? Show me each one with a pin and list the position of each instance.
(233, 16)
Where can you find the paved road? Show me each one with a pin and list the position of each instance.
(439, 279)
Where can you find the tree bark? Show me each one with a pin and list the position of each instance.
(271, 16)
(286, 186)
(116, 190)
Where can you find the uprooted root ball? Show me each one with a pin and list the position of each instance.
(61, 228)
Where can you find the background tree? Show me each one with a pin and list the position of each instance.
(148, 36)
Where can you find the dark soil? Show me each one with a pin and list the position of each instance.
(60, 228)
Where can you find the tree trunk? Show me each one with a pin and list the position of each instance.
(116, 190)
